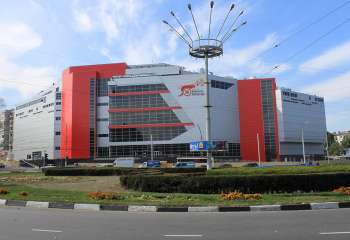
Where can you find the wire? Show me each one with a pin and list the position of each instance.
(302, 29)
(310, 44)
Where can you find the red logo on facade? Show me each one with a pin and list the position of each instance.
(191, 89)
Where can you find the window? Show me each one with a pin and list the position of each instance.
(58, 103)
(102, 135)
(58, 148)
(58, 96)
(102, 119)
(137, 88)
(102, 104)
(102, 87)
(220, 84)
(137, 101)
(125, 118)
(57, 133)
(294, 95)
(58, 118)
(144, 134)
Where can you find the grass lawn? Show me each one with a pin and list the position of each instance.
(281, 170)
(75, 189)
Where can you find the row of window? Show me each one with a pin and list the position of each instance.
(164, 151)
(48, 105)
(144, 134)
(137, 101)
(43, 99)
(137, 88)
(220, 84)
(126, 118)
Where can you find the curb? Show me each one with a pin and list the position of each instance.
(136, 208)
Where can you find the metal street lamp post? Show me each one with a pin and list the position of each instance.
(206, 47)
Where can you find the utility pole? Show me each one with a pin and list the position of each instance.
(151, 147)
(302, 142)
(258, 142)
(207, 107)
(66, 158)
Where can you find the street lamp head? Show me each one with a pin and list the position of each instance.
(211, 4)
(189, 7)
(232, 7)
(172, 13)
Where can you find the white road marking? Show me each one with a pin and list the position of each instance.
(45, 230)
(333, 233)
(183, 235)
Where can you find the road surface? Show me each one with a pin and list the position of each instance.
(37, 224)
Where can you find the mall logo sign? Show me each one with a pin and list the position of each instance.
(192, 89)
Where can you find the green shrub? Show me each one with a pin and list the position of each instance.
(244, 184)
(118, 171)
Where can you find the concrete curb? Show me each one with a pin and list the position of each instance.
(135, 208)
(203, 209)
(142, 209)
(326, 205)
(91, 207)
(260, 208)
(37, 204)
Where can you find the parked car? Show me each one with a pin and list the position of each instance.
(185, 165)
(2, 165)
(151, 164)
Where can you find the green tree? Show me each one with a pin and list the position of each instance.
(346, 142)
(336, 149)
(330, 138)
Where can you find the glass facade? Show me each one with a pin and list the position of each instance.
(137, 88)
(137, 101)
(144, 134)
(92, 118)
(269, 119)
(144, 117)
(168, 151)
(102, 87)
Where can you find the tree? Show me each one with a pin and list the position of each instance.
(336, 149)
(330, 138)
(346, 142)
(2, 103)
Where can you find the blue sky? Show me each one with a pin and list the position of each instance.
(40, 38)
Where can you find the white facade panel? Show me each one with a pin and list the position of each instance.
(297, 113)
(37, 126)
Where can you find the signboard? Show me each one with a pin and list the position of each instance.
(205, 146)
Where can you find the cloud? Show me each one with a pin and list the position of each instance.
(17, 39)
(329, 59)
(83, 21)
(333, 89)
(113, 17)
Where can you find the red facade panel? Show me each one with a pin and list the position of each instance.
(150, 125)
(75, 130)
(250, 119)
(138, 93)
(116, 110)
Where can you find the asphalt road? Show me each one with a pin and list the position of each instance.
(33, 224)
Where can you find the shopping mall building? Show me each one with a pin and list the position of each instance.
(118, 110)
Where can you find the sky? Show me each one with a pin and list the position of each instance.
(40, 38)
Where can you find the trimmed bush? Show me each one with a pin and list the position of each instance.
(118, 171)
(244, 184)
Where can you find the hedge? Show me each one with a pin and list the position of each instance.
(110, 171)
(245, 184)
